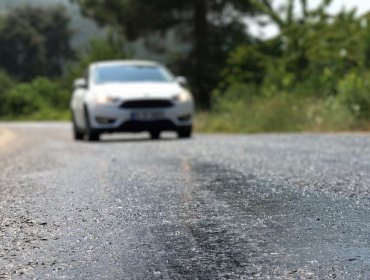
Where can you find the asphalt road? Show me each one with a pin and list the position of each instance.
(214, 207)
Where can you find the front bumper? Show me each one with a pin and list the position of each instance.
(111, 118)
(140, 126)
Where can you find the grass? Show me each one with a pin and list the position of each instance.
(281, 113)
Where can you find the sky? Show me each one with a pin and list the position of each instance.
(362, 7)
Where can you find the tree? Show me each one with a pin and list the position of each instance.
(34, 42)
(315, 49)
(109, 48)
(6, 83)
(211, 27)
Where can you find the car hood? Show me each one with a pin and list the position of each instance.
(127, 91)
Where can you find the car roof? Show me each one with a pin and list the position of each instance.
(126, 62)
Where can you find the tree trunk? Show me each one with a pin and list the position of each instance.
(201, 45)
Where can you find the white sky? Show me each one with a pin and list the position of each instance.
(362, 7)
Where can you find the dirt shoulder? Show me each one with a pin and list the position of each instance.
(6, 137)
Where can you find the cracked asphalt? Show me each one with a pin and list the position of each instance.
(289, 206)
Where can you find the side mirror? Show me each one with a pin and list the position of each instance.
(182, 81)
(80, 84)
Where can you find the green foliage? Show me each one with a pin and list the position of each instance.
(43, 98)
(354, 92)
(246, 64)
(279, 112)
(23, 100)
(6, 83)
(35, 42)
(312, 77)
(40, 97)
(110, 48)
(310, 53)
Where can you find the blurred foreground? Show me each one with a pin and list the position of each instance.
(219, 207)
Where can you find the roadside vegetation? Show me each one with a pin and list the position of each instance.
(313, 76)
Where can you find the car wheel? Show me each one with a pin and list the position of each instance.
(77, 134)
(185, 132)
(155, 134)
(90, 133)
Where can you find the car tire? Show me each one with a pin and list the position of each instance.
(185, 132)
(155, 134)
(77, 134)
(91, 135)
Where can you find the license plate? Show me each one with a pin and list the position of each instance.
(147, 116)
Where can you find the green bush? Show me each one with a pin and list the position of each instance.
(41, 97)
(328, 114)
(354, 92)
(6, 82)
(51, 92)
(238, 112)
(22, 100)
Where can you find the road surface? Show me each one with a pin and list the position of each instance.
(214, 207)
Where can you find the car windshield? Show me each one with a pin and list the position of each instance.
(131, 74)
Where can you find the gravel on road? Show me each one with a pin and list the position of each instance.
(289, 206)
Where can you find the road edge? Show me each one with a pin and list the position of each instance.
(6, 137)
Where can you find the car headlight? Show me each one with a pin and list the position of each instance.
(184, 96)
(103, 99)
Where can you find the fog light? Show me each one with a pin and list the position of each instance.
(103, 120)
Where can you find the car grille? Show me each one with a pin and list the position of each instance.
(149, 103)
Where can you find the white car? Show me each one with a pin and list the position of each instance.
(130, 96)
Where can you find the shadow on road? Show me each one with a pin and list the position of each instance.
(138, 138)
